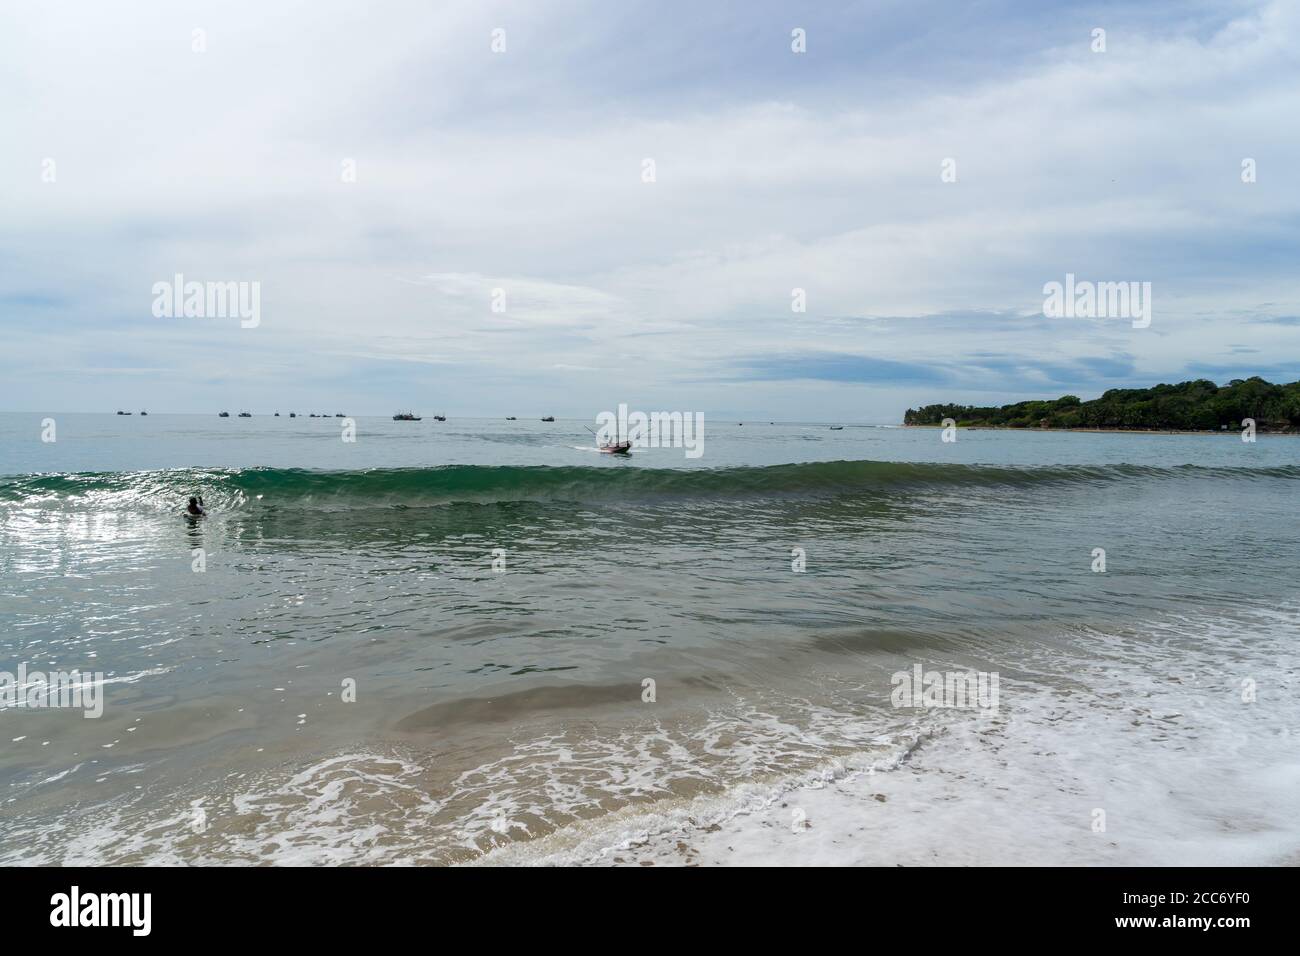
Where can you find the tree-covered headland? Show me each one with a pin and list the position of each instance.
(1189, 406)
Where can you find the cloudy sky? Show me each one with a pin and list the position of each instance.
(128, 156)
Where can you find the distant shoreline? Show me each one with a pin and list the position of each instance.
(1181, 409)
(1115, 431)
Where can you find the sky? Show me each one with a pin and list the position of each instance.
(436, 224)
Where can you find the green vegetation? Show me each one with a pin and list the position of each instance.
(1190, 406)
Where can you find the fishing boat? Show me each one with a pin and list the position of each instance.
(549, 418)
(293, 414)
(223, 415)
(245, 414)
(406, 417)
(837, 428)
(439, 418)
(615, 447)
(510, 418)
(120, 412)
(339, 415)
(144, 413)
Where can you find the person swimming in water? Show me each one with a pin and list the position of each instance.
(196, 507)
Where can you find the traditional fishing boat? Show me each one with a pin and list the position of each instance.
(406, 417)
(615, 447)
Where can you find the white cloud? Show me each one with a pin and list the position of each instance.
(226, 164)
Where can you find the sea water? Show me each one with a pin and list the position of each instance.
(483, 641)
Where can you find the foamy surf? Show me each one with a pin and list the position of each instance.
(671, 831)
(1113, 761)
(1106, 749)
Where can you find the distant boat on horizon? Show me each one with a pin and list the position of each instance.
(120, 412)
(510, 418)
(293, 414)
(406, 417)
(223, 415)
(245, 414)
(549, 418)
(439, 418)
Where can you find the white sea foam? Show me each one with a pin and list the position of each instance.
(1150, 728)
(1148, 725)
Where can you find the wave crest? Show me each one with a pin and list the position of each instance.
(447, 484)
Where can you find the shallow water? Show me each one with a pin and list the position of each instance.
(500, 711)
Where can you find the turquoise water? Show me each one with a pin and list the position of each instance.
(499, 592)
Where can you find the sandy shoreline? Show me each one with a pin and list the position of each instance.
(1024, 788)
(1134, 757)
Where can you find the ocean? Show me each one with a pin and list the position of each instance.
(480, 641)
